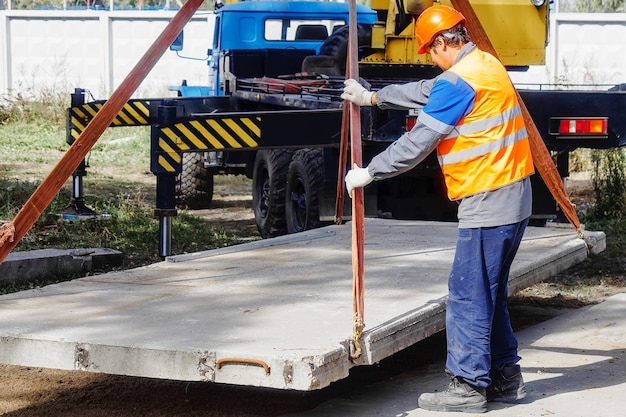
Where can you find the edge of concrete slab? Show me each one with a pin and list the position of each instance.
(414, 326)
(27, 266)
(264, 243)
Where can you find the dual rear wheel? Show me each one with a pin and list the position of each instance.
(285, 190)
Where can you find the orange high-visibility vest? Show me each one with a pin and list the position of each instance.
(489, 147)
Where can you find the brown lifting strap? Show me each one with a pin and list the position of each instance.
(358, 208)
(11, 233)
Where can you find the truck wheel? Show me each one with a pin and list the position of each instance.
(336, 45)
(269, 179)
(304, 179)
(194, 185)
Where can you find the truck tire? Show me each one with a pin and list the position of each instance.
(194, 185)
(269, 179)
(336, 45)
(304, 180)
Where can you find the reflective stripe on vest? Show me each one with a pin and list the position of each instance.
(489, 147)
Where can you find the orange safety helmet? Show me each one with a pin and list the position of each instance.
(433, 21)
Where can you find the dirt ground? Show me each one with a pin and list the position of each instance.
(26, 391)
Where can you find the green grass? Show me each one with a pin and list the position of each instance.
(132, 227)
(118, 182)
(32, 144)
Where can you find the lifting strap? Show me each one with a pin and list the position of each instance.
(541, 156)
(343, 158)
(11, 233)
(358, 208)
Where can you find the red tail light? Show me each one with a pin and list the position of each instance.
(410, 122)
(596, 126)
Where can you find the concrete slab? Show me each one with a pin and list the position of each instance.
(574, 365)
(274, 313)
(28, 266)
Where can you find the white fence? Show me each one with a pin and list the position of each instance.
(584, 48)
(96, 50)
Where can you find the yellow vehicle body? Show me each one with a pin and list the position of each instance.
(517, 29)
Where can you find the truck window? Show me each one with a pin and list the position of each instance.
(300, 30)
(216, 34)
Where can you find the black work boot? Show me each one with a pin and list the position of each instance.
(460, 396)
(507, 385)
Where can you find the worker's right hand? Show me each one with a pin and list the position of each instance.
(356, 93)
(357, 177)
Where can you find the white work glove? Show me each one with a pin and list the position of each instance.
(356, 93)
(357, 177)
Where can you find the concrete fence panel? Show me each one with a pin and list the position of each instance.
(63, 50)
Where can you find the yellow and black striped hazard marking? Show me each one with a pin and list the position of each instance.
(222, 133)
(134, 113)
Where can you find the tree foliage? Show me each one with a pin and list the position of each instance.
(576, 6)
(99, 4)
(593, 6)
(609, 183)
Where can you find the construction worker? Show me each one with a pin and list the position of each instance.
(472, 118)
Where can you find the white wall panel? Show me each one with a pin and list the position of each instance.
(51, 53)
(62, 50)
(584, 48)
(592, 49)
(96, 50)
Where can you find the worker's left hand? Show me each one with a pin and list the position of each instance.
(357, 177)
(356, 93)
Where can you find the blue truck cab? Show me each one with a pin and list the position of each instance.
(268, 39)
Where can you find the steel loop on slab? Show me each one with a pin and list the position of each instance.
(246, 361)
